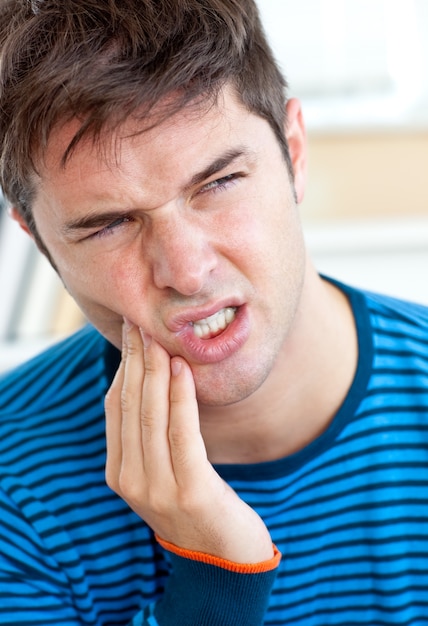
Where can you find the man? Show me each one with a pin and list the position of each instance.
(267, 432)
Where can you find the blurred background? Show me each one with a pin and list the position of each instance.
(360, 69)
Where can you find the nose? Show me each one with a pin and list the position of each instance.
(182, 256)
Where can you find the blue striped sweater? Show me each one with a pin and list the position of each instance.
(349, 512)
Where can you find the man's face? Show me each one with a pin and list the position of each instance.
(190, 230)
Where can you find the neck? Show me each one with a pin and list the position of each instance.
(303, 392)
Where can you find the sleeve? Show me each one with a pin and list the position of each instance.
(204, 590)
(42, 581)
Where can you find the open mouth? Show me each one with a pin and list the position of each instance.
(215, 324)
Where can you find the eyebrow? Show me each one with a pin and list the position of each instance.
(89, 222)
(219, 164)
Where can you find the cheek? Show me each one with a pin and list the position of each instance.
(106, 280)
(241, 227)
(268, 239)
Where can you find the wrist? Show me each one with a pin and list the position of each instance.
(209, 559)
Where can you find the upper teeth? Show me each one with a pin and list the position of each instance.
(212, 324)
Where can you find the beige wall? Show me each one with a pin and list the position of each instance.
(367, 175)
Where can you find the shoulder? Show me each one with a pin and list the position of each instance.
(402, 311)
(48, 377)
(385, 310)
(394, 337)
(398, 323)
(390, 331)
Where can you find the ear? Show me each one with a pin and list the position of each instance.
(295, 134)
(16, 215)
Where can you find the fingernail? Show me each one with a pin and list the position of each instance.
(175, 367)
(147, 340)
(127, 323)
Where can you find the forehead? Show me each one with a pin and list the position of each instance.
(202, 118)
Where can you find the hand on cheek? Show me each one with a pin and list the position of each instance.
(157, 460)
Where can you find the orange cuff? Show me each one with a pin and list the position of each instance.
(239, 568)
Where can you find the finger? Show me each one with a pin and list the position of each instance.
(113, 414)
(188, 451)
(154, 415)
(131, 474)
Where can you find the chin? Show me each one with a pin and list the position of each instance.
(225, 388)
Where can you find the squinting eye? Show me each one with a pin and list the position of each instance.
(110, 228)
(219, 183)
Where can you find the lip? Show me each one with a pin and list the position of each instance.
(214, 349)
(178, 323)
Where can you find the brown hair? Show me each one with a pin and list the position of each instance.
(103, 60)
